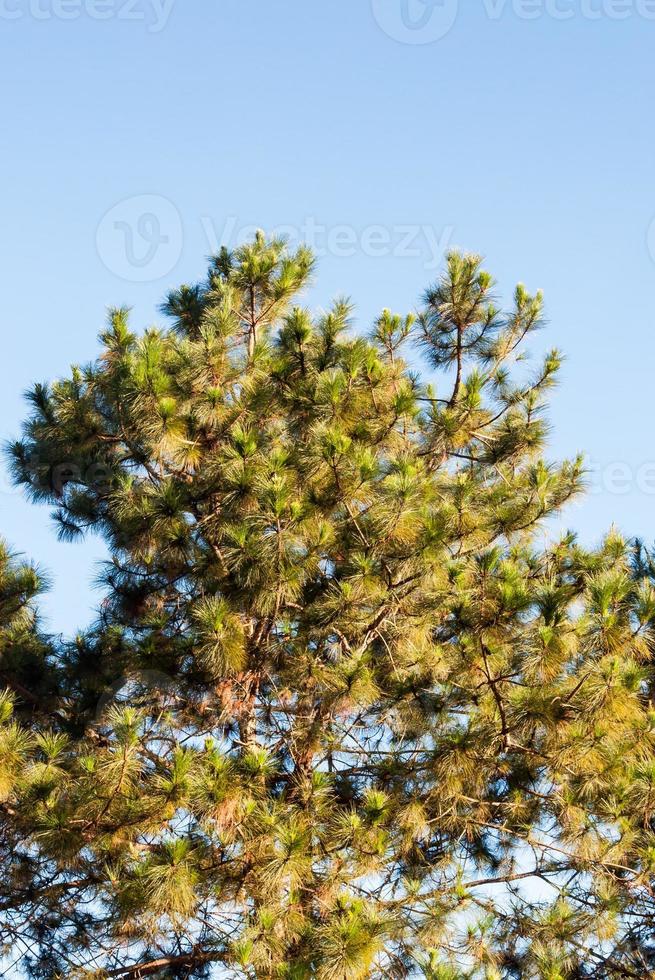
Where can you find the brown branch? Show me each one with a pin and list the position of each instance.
(153, 966)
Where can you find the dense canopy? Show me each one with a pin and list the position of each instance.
(343, 713)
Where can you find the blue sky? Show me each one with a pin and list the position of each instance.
(138, 134)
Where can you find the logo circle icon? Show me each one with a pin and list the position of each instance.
(140, 238)
(415, 21)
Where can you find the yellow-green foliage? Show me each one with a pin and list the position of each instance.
(343, 715)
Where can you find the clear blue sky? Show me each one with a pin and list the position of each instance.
(522, 133)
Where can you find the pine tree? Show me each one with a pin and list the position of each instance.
(343, 714)
(27, 655)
